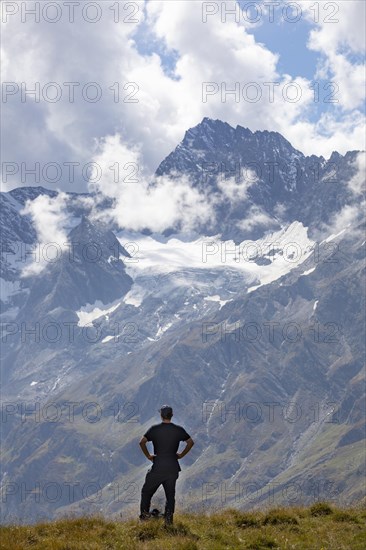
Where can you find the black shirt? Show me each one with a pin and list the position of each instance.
(166, 438)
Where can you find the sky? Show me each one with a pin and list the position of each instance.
(117, 84)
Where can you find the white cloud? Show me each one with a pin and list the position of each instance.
(340, 35)
(227, 56)
(237, 188)
(49, 217)
(351, 214)
(256, 217)
(329, 134)
(340, 24)
(141, 202)
(280, 210)
(357, 183)
(347, 218)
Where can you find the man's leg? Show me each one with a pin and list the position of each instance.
(169, 488)
(151, 485)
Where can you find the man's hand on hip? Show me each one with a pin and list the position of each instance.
(189, 445)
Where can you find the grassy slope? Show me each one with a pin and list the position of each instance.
(319, 527)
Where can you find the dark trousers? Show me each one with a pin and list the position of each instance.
(153, 481)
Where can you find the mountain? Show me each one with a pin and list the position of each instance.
(91, 269)
(280, 180)
(253, 331)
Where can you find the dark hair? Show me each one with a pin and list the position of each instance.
(166, 412)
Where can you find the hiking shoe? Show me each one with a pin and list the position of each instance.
(145, 516)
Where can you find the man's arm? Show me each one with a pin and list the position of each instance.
(189, 446)
(142, 444)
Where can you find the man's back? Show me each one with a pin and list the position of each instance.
(166, 437)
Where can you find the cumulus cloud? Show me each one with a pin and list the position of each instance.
(255, 217)
(346, 219)
(339, 36)
(236, 188)
(280, 210)
(141, 201)
(351, 215)
(217, 58)
(50, 218)
(357, 182)
(329, 133)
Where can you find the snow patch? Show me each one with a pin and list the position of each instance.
(56, 383)
(332, 175)
(309, 271)
(135, 296)
(163, 329)
(166, 256)
(258, 262)
(217, 298)
(107, 339)
(289, 248)
(90, 312)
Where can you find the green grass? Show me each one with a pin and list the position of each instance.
(319, 527)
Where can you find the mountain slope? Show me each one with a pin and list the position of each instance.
(258, 344)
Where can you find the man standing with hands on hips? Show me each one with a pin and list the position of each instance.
(165, 437)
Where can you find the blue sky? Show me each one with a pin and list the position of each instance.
(289, 41)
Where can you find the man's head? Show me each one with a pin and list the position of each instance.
(166, 412)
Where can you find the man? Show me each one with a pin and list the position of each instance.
(166, 437)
